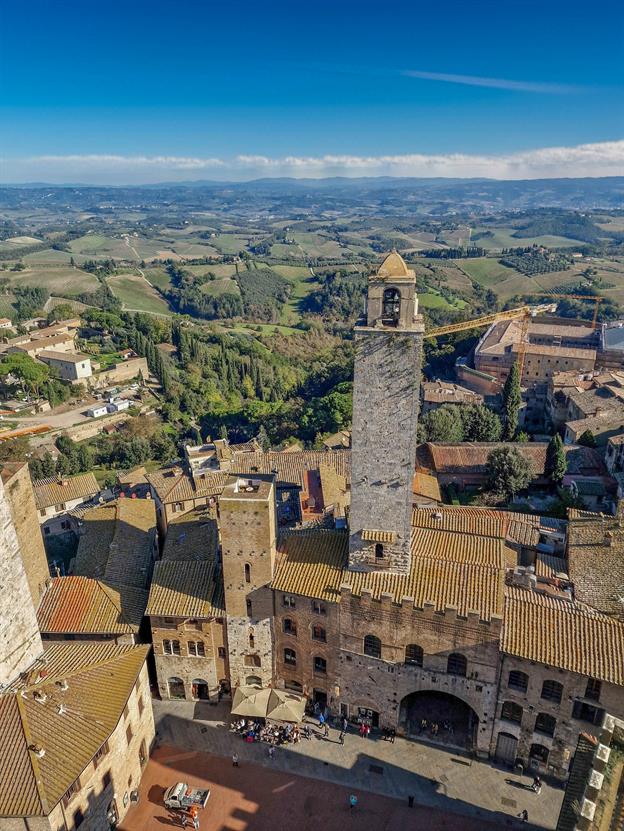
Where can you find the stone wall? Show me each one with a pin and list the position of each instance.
(250, 649)
(211, 668)
(20, 642)
(385, 415)
(561, 745)
(123, 371)
(305, 615)
(19, 492)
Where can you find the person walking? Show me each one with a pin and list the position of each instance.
(341, 737)
(321, 721)
(352, 802)
(194, 812)
(524, 815)
(235, 760)
(537, 785)
(362, 730)
(345, 724)
(325, 728)
(183, 819)
(366, 730)
(271, 752)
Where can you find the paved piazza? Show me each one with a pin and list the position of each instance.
(466, 793)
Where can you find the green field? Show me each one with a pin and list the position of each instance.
(49, 256)
(303, 283)
(433, 300)
(218, 269)
(98, 246)
(135, 293)
(57, 279)
(485, 270)
(230, 243)
(502, 238)
(218, 287)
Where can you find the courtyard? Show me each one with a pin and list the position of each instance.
(311, 781)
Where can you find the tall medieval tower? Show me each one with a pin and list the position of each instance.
(248, 546)
(20, 642)
(388, 344)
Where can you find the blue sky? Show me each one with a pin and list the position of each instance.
(136, 91)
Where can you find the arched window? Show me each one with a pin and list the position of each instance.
(372, 646)
(518, 680)
(319, 665)
(199, 689)
(552, 691)
(290, 626)
(457, 664)
(247, 573)
(538, 751)
(253, 681)
(293, 686)
(414, 654)
(511, 712)
(252, 641)
(545, 724)
(290, 657)
(176, 688)
(319, 634)
(379, 551)
(391, 310)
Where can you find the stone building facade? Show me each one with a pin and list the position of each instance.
(20, 641)
(386, 401)
(19, 492)
(248, 550)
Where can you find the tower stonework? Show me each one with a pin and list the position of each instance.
(20, 642)
(248, 544)
(388, 345)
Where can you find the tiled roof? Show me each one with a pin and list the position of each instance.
(291, 467)
(312, 562)
(52, 491)
(471, 457)
(96, 694)
(440, 392)
(426, 486)
(596, 561)
(373, 535)
(117, 542)
(173, 485)
(563, 634)
(186, 588)
(67, 357)
(84, 605)
(192, 536)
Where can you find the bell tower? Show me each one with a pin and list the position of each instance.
(388, 345)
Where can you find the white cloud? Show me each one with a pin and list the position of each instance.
(599, 159)
(493, 83)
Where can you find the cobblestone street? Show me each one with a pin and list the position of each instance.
(436, 778)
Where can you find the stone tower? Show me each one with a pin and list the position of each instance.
(388, 343)
(248, 546)
(20, 642)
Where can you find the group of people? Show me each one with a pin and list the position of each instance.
(190, 817)
(274, 734)
(433, 728)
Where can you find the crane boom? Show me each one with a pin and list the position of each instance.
(487, 320)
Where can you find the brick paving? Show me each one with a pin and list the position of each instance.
(461, 788)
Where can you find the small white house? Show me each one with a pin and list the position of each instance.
(71, 367)
(118, 406)
(5, 323)
(97, 411)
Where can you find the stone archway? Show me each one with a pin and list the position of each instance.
(439, 717)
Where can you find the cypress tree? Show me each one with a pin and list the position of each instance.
(556, 464)
(512, 398)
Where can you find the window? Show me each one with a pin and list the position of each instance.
(252, 641)
(42, 512)
(290, 627)
(166, 645)
(294, 686)
(372, 646)
(78, 818)
(319, 634)
(176, 688)
(585, 712)
(248, 607)
(196, 649)
(414, 655)
(319, 608)
(175, 645)
(545, 724)
(552, 691)
(456, 664)
(379, 551)
(319, 665)
(518, 680)
(290, 657)
(592, 690)
(511, 712)
(252, 661)
(106, 780)
(221, 652)
(247, 573)
(100, 754)
(129, 733)
(141, 705)
(289, 601)
(142, 754)
(71, 792)
(178, 506)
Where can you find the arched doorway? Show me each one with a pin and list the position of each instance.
(506, 748)
(176, 688)
(200, 689)
(439, 717)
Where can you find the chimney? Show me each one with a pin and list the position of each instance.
(523, 577)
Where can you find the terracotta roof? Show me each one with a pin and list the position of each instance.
(426, 486)
(563, 634)
(192, 536)
(32, 786)
(187, 588)
(441, 392)
(87, 606)
(471, 457)
(373, 535)
(173, 485)
(136, 476)
(311, 562)
(394, 266)
(117, 542)
(291, 467)
(596, 561)
(51, 491)
(67, 357)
